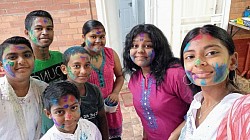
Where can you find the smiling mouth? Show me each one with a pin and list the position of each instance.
(202, 75)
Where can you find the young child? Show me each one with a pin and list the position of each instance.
(106, 65)
(62, 104)
(20, 95)
(39, 29)
(159, 96)
(209, 57)
(77, 68)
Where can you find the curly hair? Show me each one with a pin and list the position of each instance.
(164, 58)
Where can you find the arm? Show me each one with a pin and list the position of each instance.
(119, 79)
(176, 133)
(103, 124)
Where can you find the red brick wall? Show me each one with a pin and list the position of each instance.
(236, 11)
(68, 16)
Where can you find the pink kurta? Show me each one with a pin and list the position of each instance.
(104, 79)
(161, 110)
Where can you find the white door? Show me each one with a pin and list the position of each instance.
(188, 14)
(128, 16)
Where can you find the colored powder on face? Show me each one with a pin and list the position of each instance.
(99, 31)
(7, 66)
(141, 36)
(68, 116)
(55, 122)
(189, 75)
(83, 57)
(88, 43)
(197, 62)
(221, 73)
(33, 37)
(203, 82)
(152, 56)
(70, 73)
(65, 98)
(54, 101)
(132, 58)
(19, 47)
(66, 106)
(198, 37)
(187, 47)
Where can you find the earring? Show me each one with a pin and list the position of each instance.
(183, 80)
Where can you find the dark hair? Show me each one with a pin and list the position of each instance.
(15, 40)
(34, 14)
(217, 33)
(56, 90)
(90, 25)
(164, 58)
(71, 51)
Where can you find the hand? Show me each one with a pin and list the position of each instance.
(113, 97)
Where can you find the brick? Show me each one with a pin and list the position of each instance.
(69, 31)
(78, 1)
(78, 12)
(64, 37)
(8, 18)
(75, 25)
(52, 7)
(70, 6)
(5, 5)
(61, 1)
(77, 36)
(4, 25)
(61, 26)
(14, 11)
(84, 5)
(61, 14)
(68, 19)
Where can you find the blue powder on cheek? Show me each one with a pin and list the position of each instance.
(221, 73)
(152, 56)
(132, 58)
(189, 75)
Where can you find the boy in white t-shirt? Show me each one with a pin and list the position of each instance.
(62, 105)
(20, 94)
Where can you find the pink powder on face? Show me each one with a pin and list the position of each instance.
(201, 35)
(141, 36)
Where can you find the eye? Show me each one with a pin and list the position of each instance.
(148, 46)
(50, 28)
(94, 37)
(74, 108)
(28, 55)
(189, 57)
(102, 37)
(211, 53)
(76, 66)
(87, 66)
(134, 46)
(59, 112)
(39, 28)
(12, 57)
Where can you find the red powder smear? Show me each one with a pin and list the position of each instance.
(200, 36)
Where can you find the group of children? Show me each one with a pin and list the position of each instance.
(66, 100)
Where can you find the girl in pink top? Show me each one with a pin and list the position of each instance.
(106, 64)
(160, 97)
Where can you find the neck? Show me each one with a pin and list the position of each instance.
(81, 88)
(215, 93)
(41, 53)
(145, 70)
(20, 87)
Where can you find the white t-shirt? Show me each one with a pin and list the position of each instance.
(20, 117)
(207, 130)
(85, 130)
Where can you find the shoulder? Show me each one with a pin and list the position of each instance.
(39, 83)
(176, 71)
(91, 87)
(55, 53)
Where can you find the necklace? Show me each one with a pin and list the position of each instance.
(96, 57)
(210, 107)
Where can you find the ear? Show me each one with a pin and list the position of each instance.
(64, 69)
(83, 38)
(233, 61)
(26, 32)
(47, 113)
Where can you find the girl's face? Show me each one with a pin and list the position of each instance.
(41, 33)
(78, 69)
(142, 52)
(65, 113)
(95, 40)
(207, 61)
(18, 61)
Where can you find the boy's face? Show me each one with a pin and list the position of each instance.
(78, 69)
(41, 32)
(18, 61)
(65, 113)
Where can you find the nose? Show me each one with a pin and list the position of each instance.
(140, 49)
(98, 39)
(83, 70)
(21, 60)
(45, 31)
(199, 62)
(68, 116)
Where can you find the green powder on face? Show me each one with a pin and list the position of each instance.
(197, 62)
